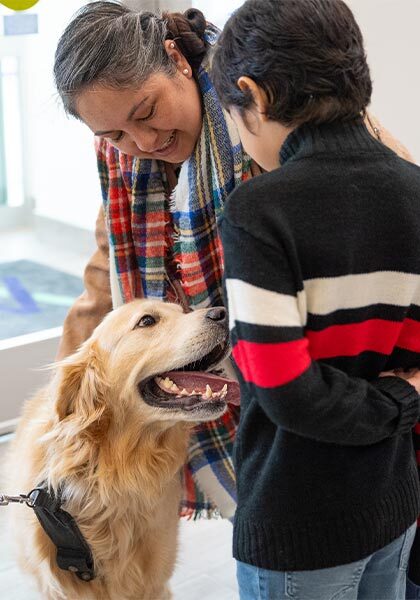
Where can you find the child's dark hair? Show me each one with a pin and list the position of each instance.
(308, 56)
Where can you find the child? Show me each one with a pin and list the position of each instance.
(322, 278)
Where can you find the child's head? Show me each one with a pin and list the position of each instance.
(282, 63)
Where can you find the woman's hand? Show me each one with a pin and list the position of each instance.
(412, 376)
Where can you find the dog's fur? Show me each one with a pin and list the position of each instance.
(116, 458)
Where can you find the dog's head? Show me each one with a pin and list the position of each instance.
(150, 360)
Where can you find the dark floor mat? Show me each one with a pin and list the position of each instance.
(34, 297)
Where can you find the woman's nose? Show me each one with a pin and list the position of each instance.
(146, 139)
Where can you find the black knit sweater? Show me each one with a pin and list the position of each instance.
(322, 278)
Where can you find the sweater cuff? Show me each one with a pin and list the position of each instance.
(405, 396)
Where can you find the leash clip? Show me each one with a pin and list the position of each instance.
(28, 499)
(21, 499)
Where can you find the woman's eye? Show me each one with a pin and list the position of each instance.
(118, 138)
(150, 115)
(146, 321)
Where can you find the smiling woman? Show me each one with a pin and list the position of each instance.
(140, 82)
(148, 106)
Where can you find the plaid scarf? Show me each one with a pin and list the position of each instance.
(150, 233)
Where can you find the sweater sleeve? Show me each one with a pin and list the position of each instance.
(310, 398)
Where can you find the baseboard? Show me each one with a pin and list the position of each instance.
(6, 430)
(12, 217)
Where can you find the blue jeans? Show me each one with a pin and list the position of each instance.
(413, 591)
(380, 576)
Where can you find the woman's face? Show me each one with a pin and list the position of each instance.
(162, 119)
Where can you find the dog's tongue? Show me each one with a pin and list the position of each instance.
(199, 380)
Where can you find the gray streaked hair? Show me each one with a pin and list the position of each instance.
(109, 44)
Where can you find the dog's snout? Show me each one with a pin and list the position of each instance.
(218, 313)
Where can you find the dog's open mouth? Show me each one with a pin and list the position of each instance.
(192, 387)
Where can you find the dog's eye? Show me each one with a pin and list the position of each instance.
(146, 321)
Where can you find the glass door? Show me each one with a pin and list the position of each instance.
(11, 168)
(3, 189)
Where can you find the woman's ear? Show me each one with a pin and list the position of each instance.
(179, 59)
(82, 391)
(259, 96)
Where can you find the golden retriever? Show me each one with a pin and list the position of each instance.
(110, 434)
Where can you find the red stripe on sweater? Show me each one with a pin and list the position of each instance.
(410, 336)
(271, 365)
(376, 335)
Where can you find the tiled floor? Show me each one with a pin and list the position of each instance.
(205, 569)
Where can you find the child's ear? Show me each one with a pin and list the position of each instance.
(259, 95)
(82, 391)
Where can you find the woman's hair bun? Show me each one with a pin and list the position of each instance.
(197, 21)
(187, 30)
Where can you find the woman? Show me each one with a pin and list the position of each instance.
(141, 83)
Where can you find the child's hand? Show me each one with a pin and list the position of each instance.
(412, 376)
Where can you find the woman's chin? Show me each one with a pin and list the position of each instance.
(176, 159)
(179, 155)
(181, 151)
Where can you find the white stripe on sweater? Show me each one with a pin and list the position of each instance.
(326, 295)
(251, 304)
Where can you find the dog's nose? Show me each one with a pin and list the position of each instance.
(218, 313)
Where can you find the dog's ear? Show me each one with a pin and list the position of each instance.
(82, 391)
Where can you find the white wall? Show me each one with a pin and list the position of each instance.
(60, 166)
(217, 11)
(63, 176)
(391, 32)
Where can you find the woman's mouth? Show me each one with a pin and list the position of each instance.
(168, 146)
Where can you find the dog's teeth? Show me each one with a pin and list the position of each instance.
(209, 392)
(193, 393)
(174, 387)
(223, 391)
(168, 383)
(184, 392)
